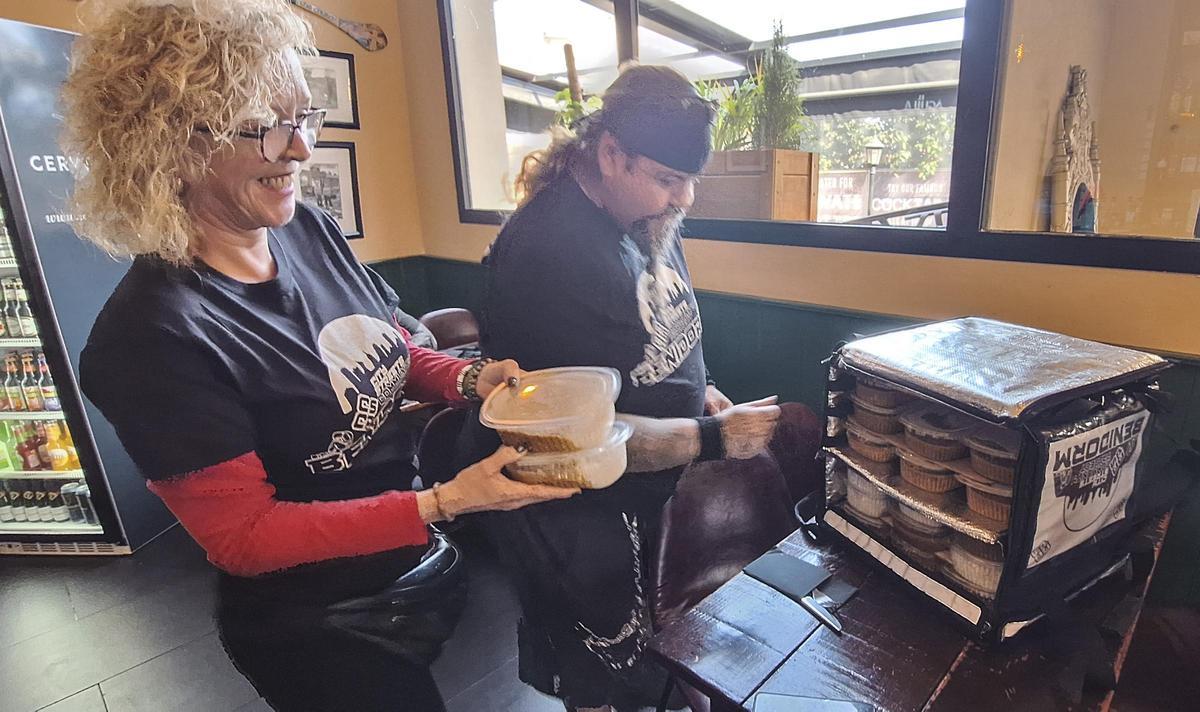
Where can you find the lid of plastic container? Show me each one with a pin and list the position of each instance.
(983, 485)
(917, 518)
(923, 462)
(937, 422)
(551, 395)
(879, 409)
(866, 433)
(874, 382)
(966, 545)
(997, 442)
(619, 435)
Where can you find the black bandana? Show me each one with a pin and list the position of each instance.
(675, 131)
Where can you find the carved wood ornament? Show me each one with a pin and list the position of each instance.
(1076, 161)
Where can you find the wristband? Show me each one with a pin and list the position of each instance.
(712, 442)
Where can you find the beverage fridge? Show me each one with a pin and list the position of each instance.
(66, 485)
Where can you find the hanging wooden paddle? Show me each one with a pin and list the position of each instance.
(370, 36)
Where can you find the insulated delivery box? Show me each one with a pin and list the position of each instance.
(996, 468)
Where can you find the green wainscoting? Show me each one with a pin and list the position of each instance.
(756, 347)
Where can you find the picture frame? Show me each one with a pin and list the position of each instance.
(330, 77)
(329, 181)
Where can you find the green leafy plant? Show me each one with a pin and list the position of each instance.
(570, 111)
(734, 122)
(779, 120)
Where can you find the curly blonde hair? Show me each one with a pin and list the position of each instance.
(145, 76)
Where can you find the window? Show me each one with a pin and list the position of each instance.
(1099, 127)
(898, 97)
(877, 83)
(878, 80)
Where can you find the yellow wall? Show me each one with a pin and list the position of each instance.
(386, 174)
(1143, 309)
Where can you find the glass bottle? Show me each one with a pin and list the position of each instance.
(26, 449)
(29, 328)
(29, 384)
(13, 392)
(49, 391)
(57, 449)
(12, 320)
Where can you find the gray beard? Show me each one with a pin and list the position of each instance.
(657, 233)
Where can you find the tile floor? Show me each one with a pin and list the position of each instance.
(136, 634)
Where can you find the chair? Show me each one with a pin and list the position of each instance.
(452, 327)
(722, 516)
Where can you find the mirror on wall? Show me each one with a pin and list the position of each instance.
(1098, 119)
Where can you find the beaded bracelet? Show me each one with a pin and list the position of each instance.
(468, 379)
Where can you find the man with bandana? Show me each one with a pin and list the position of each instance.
(590, 271)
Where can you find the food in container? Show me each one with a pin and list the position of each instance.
(555, 409)
(978, 567)
(926, 474)
(594, 468)
(916, 521)
(864, 496)
(879, 419)
(872, 446)
(875, 526)
(988, 498)
(878, 392)
(920, 547)
(994, 453)
(936, 433)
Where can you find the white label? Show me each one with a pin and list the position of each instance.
(1089, 478)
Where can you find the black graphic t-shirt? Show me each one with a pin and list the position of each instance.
(305, 368)
(567, 287)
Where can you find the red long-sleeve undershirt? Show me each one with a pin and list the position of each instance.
(230, 508)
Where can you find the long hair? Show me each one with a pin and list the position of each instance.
(145, 76)
(575, 149)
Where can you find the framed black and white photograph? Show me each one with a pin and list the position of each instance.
(330, 78)
(329, 180)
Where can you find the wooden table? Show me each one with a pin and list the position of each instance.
(899, 650)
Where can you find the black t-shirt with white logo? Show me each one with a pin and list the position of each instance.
(567, 287)
(195, 368)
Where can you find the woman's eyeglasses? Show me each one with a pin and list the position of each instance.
(274, 141)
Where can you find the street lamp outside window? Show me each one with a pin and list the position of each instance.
(874, 156)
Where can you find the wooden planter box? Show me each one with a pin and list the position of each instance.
(773, 184)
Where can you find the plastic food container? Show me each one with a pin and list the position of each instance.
(556, 409)
(920, 547)
(870, 445)
(994, 453)
(936, 433)
(990, 499)
(595, 468)
(917, 522)
(876, 392)
(877, 418)
(979, 572)
(979, 549)
(877, 527)
(925, 474)
(864, 497)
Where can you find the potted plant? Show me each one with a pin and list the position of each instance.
(757, 170)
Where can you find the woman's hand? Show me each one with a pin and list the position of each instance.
(746, 429)
(483, 486)
(715, 401)
(495, 374)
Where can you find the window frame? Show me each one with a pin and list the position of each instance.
(965, 234)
